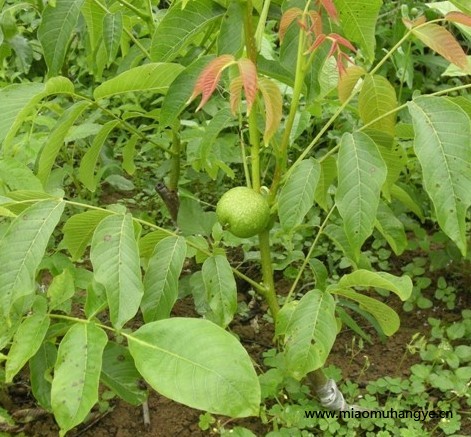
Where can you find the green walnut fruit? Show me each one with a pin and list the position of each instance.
(243, 212)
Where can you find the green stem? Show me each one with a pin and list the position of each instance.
(254, 150)
(175, 169)
(83, 321)
(248, 32)
(267, 274)
(282, 158)
(245, 165)
(261, 25)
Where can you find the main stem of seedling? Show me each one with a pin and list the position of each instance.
(316, 378)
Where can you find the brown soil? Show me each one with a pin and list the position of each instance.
(168, 418)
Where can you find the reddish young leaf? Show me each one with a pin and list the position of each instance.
(209, 78)
(248, 72)
(288, 17)
(316, 23)
(458, 17)
(443, 42)
(235, 90)
(329, 7)
(342, 41)
(273, 107)
(318, 41)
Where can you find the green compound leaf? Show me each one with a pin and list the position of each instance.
(76, 374)
(197, 363)
(180, 26)
(297, 195)
(55, 31)
(361, 174)
(221, 290)
(309, 329)
(115, 258)
(161, 279)
(155, 77)
(358, 19)
(22, 248)
(442, 145)
(27, 338)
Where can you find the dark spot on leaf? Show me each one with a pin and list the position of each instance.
(107, 237)
(120, 358)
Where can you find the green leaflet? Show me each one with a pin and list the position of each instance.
(326, 178)
(112, 31)
(155, 77)
(129, 151)
(27, 338)
(55, 31)
(86, 172)
(56, 139)
(61, 289)
(40, 365)
(297, 195)
(463, 5)
(20, 257)
(197, 363)
(231, 34)
(179, 26)
(361, 174)
(386, 317)
(221, 290)
(358, 19)
(401, 286)
(115, 258)
(442, 145)
(76, 374)
(78, 231)
(18, 176)
(161, 278)
(94, 16)
(309, 329)
(120, 374)
(391, 228)
(209, 162)
(378, 97)
(17, 100)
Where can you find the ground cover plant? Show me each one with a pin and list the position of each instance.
(156, 151)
